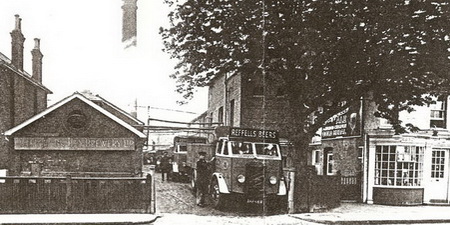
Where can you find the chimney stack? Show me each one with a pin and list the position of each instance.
(17, 44)
(37, 61)
(129, 22)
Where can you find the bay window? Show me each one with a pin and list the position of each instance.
(399, 165)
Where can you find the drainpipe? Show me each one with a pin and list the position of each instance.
(365, 159)
(225, 84)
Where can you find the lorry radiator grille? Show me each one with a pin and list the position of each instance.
(254, 178)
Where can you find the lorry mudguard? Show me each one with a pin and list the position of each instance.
(221, 182)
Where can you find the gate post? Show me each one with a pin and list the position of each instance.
(291, 186)
(151, 179)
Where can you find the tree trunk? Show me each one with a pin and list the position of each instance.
(302, 193)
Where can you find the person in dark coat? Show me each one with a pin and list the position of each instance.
(166, 166)
(203, 175)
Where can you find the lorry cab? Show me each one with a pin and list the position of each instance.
(248, 164)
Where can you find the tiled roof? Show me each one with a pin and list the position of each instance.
(5, 61)
(4, 58)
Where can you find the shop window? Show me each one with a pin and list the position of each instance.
(399, 165)
(438, 113)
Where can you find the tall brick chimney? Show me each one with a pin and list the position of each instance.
(37, 61)
(129, 22)
(17, 44)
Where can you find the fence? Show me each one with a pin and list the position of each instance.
(75, 195)
(316, 192)
(351, 188)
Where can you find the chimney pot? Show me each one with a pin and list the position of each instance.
(37, 61)
(18, 22)
(17, 45)
(37, 43)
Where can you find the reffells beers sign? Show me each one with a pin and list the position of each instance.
(253, 133)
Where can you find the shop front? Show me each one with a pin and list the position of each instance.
(409, 169)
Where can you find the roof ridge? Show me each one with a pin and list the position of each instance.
(66, 100)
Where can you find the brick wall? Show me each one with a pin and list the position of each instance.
(98, 126)
(215, 98)
(5, 113)
(270, 110)
(346, 155)
(234, 93)
(20, 100)
(251, 111)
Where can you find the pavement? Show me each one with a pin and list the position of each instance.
(359, 213)
(347, 213)
(77, 218)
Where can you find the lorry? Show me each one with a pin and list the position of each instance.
(246, 167)
(180, 170)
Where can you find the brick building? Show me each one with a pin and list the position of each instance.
(79, 136)
(244, 100)
(23, 95)
(375, 164)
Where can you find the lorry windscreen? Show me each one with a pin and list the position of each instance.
(252, 149)
(241, 148)
(266, 149)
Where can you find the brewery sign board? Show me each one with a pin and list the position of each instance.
(72, 143)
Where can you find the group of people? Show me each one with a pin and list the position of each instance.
(162, 163)
(203, 168)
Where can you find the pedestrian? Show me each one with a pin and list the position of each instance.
(203, 175)
(166, 166)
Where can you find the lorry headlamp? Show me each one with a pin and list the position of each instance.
(273, 180)
(241, 178)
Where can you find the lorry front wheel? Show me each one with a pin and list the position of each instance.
(218, 199)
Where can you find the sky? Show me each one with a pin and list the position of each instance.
(81, 41)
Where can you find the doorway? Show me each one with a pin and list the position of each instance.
(438, 188)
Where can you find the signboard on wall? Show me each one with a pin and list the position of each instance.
(344, 124)
(58, 143)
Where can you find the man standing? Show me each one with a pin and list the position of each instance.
(165, 166)
(203, 175)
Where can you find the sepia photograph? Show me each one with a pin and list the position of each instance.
(277, 112)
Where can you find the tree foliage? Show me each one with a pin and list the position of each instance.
(326, 52)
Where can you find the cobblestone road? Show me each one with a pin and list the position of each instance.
(176, 197)
(176, 203)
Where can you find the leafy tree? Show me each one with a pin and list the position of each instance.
(326, 52)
